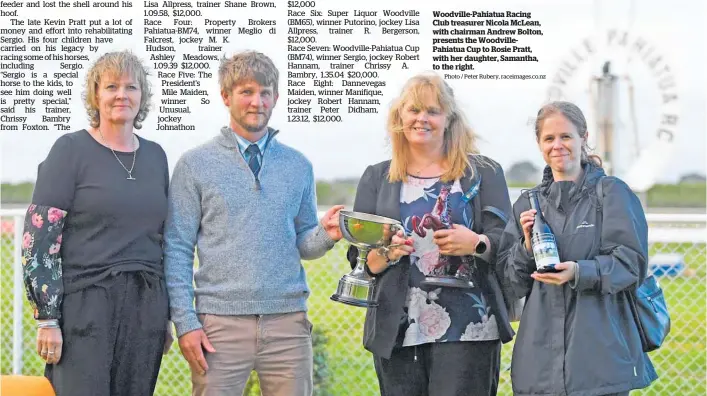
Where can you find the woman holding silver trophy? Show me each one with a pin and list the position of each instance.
(440, 316)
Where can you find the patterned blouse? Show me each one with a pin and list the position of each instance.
(41, 261)
(438, 314)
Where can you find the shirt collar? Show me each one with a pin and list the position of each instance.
(244, 143)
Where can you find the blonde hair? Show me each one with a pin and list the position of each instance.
(573, 113)
(248, 65)
(118, 63)
(459, 138)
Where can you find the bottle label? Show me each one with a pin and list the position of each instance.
(545, 250)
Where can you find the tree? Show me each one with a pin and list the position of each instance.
(692, 178)
(16, 193)
(337, 192)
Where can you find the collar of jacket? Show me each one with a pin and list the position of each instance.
(471, 175)
(591, 173)
(226, 140)
(389, 194)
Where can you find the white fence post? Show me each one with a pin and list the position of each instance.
(17, 298)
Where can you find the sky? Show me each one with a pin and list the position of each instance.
(500, 112)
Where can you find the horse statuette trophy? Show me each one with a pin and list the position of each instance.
(366, 232)
(450, 271)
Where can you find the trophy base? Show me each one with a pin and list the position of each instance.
(353, 301)
(447, 281)
(355, 291)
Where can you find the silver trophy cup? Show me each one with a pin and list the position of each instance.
(366, 232)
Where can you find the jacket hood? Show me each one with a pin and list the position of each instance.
(591, 174)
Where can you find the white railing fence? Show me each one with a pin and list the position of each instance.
(677, 249)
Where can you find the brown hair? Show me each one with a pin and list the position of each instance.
(459, 138)
(576, 117)
(118, 64)
(248, 65)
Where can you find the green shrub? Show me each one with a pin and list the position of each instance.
(684, 195)
(16, 193)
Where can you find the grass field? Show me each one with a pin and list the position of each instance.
(681, 362)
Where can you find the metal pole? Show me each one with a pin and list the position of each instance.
(607, 106)
(17, 297)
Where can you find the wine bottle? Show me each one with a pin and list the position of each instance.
(542, 239)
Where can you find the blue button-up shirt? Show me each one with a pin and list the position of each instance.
(244, 143)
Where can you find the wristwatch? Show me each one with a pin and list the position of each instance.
(480, 247)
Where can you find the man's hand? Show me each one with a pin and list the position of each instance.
(192, 345)
(566, 274)
(456, 241)
(330, 222)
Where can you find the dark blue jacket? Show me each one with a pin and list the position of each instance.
(581, 340)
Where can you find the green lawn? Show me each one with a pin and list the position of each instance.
(680, 363)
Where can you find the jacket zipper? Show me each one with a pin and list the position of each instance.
(650, 300)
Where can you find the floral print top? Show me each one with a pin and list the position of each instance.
(438, 314)
(41, 261)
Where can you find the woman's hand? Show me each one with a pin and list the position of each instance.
(403, 247)
(49, 344)
(527, 219)
(566, 274)
(456, 241)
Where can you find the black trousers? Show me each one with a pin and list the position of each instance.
(442, 369)
(114, 333)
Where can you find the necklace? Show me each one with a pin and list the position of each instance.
(423, 168)
(130, 172)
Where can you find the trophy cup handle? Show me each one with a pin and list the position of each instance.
(398, 227)
(395, 228)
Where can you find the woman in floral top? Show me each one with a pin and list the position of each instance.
(92, 244)
(453, 203)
